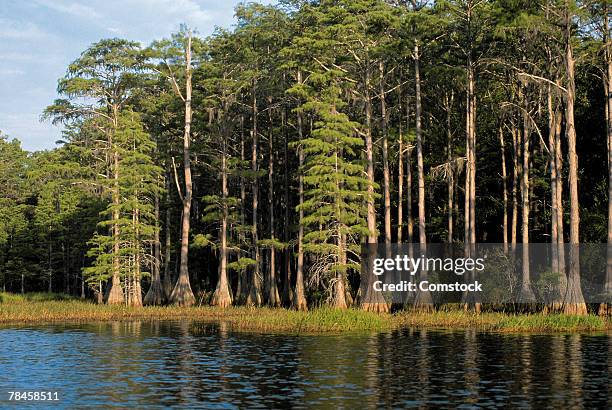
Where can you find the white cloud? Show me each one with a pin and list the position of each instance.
(70, 7)
(115, 30)
(27, 127)
(11, 71)
(12, 56)
(39, 38)
(12, 30)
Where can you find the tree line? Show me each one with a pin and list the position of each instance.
(252, 165)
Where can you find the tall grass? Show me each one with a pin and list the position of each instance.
(504, 322)
(49, 308)
(6, 297)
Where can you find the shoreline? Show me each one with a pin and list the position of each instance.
(38, 309)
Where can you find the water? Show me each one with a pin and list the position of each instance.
(180, 364)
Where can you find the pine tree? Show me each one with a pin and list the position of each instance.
(335, 188)
(137, 186)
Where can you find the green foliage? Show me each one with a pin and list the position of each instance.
(241, 264)
(335, 185)
(137, 184)
(59, 209)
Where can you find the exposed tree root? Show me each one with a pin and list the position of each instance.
(182, 295)
(155, 296)
(114, 293)
(221, 298)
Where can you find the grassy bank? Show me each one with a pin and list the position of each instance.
(53, 308)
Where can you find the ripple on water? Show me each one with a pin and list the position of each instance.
(178, 364)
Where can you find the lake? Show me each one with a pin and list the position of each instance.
(180, 364)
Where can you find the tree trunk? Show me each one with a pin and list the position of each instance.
(272, 288)
(254, 298)
(286, 296)
(385, 154)
(155, 295)
(50, 268)
(450, 178)
(526, 295)
(469, 299)
(369, 146)
(222, 296)
(504, 187)
(339, 301)
(605, 308)
(515, 182)
(423, 300)
(114, 294)
(82, 280)
(554, 238)
(559, 199)
(299, 301)
(419, 147)
(167, 282)
(557, 241)
(574, 301)
(400, 169)
(409, 195)
(135, 294)
(472, 163)
(182, 294)
(370, 300)
(242, 288)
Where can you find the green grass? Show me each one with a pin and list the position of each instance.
(503, 322)
(53, 308)
(552, 323)
(33, 297)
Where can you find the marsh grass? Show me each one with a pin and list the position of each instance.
(503, 322)
(33, 297)
(53, 308)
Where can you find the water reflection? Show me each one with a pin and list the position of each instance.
(177, 364)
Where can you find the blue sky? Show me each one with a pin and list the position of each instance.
(39, 38)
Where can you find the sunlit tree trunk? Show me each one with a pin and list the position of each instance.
(400, 169)
(222, 296)
(255, 296)
(114, 294)
(369, 146)
(370, 300)
(385, 155)
(135, 296)
(242, 287)
(339, 299)
(470, 180)
(553, 181)
(286, 291)
(502, 146)
(557, 241)
(574, 301)
(182, 294)
(450, 177)
(155, 295)
(273, 297)
(605, 308)
(526, 295)
(423, 300)
(167, 282)
(299, 301)
(515, 182)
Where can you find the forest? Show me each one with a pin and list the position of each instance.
(249, 167)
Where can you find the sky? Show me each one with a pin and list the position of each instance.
(39, 38)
